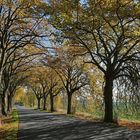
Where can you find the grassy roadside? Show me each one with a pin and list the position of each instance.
(131, 124)
(8, 131)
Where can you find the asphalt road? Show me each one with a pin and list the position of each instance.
(37, 125)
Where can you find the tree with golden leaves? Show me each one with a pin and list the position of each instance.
(109, 31)
(20, 28)
(70, 71)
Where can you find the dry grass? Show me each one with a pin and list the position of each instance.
(8, 131)
(130, 124)
(135, 125)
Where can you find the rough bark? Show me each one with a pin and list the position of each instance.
(38, 100)
(51, 103)
(9, 103)
(44, 103)
(3, 105)
(69, 103)
(108, 93)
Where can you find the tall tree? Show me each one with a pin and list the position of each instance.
(70, 71)
(38, 93)
(109, 33)
(14, 74)
(42, 84)
(19, 29)
(55, 86)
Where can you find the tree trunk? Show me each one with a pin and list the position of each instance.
(9, 103)
(108, 93)
(33, 103)
(51, 102)
(38, 100)
(3, 112)
(44, 103)
(69, 103)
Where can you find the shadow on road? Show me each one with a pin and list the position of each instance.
(36, 125)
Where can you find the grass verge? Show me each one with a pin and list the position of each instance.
(131, 124)
(8, 131)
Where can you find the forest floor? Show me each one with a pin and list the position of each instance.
(9, 127)
(38, 125)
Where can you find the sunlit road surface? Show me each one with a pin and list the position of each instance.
(37, 125)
